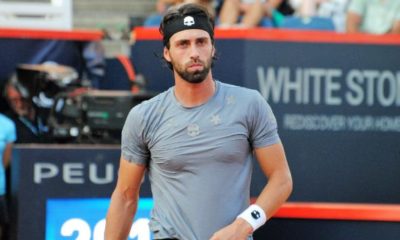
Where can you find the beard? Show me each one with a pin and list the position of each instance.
(197, 76)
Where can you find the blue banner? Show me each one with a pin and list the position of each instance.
(85, 219)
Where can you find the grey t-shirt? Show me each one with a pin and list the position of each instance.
(199, 158)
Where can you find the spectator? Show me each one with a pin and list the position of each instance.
(162, 6)
(93, 54)
(7, 137)
(208, 4)
(249, 13)
(334, 9)
(30, 127)
(373, 16)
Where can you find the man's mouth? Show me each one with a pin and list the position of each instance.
(195, 66)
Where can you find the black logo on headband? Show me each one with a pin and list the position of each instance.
(255, 214)
(188, 21)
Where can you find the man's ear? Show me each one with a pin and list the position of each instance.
(166, 54)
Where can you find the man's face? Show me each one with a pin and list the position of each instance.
(190, 53)
(18, 104)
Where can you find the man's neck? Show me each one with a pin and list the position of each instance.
(194, 94)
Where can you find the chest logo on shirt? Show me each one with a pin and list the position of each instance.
(215, 119)
(172, 123)
(193, 130)
(230, 100)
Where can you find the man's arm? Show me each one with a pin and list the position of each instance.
(270, 6)
(274, 165)
(353, 22)
(124, 200)
(253, 15)
(396, 27)
(7, 154)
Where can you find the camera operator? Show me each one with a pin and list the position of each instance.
(31, 128)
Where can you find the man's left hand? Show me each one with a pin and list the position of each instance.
(238, 230)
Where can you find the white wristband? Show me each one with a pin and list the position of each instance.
(254, 215)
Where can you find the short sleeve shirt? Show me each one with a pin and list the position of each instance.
(199, 159)
(378, 17)
(7, 135)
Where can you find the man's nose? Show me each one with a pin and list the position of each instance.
(194, 52)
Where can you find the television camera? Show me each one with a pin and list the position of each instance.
(75, 114)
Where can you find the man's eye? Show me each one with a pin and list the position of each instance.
(201, 42)
(182, 44)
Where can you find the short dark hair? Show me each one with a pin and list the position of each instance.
(182, 11)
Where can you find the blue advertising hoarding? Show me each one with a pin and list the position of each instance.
(72, 218)
(62, 192)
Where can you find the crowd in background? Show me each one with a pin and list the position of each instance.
(367, 16)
